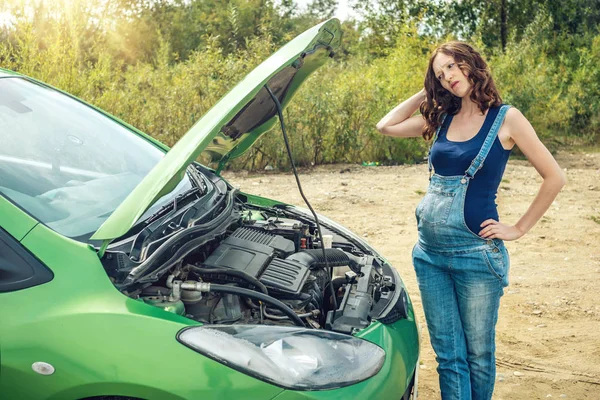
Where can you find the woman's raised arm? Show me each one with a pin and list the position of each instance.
(399, 122)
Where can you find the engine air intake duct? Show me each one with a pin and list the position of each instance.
(313, 258)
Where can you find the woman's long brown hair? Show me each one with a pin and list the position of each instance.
(440, 101)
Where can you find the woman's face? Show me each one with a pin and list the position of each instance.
(450, 75)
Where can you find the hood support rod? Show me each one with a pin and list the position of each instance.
(289, 151)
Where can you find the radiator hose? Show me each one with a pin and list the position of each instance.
(314, 258)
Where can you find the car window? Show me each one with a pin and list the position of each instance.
(63, 162)
(19, 269)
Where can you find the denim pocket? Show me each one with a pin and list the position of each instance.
(497, 262)
(435, 206)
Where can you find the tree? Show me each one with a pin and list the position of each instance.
(322, 9)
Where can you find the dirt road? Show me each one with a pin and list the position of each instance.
(548, 334)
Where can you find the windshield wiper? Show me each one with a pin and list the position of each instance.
(196, 178)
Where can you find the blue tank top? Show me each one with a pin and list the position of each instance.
(454, 158)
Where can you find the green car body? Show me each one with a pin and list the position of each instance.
(62, 308)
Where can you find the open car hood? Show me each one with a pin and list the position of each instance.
(232, 125)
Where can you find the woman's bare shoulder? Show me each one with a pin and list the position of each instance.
(516, 122)
(513, 114)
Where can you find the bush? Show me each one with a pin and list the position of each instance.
(555, 83)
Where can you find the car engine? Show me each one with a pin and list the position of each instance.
(257, 265)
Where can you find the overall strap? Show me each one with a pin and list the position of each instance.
(487, 144)
(435, 136)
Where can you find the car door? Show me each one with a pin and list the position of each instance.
(19, 269)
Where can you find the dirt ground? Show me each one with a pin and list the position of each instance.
(548, 334)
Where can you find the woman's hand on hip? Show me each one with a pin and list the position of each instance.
(493, 229)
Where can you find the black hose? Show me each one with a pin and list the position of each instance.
(289, 151)
(235, 273)
(260, 297)
(314, 258)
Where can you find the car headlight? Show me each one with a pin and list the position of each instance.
(289, 357)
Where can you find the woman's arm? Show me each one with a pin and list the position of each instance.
(523, 135)
(399, 122)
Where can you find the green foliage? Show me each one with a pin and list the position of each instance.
(160, 65)
(555, 84)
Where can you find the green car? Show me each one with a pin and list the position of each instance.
(132, 271)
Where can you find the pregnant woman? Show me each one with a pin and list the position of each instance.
(460, 259)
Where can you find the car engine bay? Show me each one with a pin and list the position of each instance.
(218, 259)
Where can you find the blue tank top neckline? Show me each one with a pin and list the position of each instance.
(486, 121)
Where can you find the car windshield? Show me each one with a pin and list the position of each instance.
(65, 163)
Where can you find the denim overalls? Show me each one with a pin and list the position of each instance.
(461, 277)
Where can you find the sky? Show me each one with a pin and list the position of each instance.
(343, 12)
